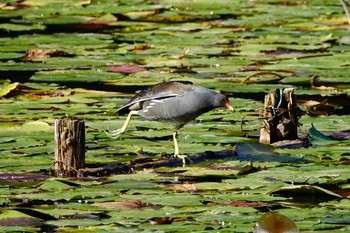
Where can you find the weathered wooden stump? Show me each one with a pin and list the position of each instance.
(69, 147)
(280, 116)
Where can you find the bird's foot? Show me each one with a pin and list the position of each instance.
(113, 133)
(182, 157)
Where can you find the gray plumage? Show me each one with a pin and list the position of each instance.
(176, 102)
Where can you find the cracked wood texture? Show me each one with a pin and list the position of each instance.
(69, 147)
(280, 116)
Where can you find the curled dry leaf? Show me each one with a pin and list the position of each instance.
(104, 20)
(179, 56)
(315, 108)
(321, 88)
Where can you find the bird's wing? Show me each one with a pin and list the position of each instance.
(136, 104)
(158, 91)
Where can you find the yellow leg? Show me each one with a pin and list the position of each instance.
(116, 133)
(177, 153)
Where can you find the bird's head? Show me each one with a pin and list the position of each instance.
(222, 101)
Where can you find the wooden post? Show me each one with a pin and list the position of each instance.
(280, 116)
(69, 147)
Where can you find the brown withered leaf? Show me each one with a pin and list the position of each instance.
(125, 205)
(21, 221)
(249, 168)
(15, 6)
(42, 53)
(165, 220)
(249, 68)
(184, 187)
(126, 69)
(41, 93)
(142, 47)
(315, 108)
(240, 204)
(179, 56)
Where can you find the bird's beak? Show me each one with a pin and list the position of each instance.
(228, 105)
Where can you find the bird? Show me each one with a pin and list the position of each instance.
(175, 102)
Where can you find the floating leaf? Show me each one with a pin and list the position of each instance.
(13, 89)
(55, 185)
(275, 223)
(36, 125)
(316, 138)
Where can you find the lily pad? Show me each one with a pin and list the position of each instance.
(273, 222)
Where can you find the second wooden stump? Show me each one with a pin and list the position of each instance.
(280, 116)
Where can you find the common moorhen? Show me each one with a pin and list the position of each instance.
(176, 102)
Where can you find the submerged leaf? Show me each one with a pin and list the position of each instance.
(126, 69)
(262, 152)
(16, 177)
(304, 190)
(125, 205)
(16, 218)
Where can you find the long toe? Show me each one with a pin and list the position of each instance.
(114, 133)
(182, 157)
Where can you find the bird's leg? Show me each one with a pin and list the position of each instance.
(116, 133)
(177, 153)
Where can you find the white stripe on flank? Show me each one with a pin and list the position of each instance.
(157, 101)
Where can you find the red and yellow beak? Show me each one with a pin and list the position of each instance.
(228, 105)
